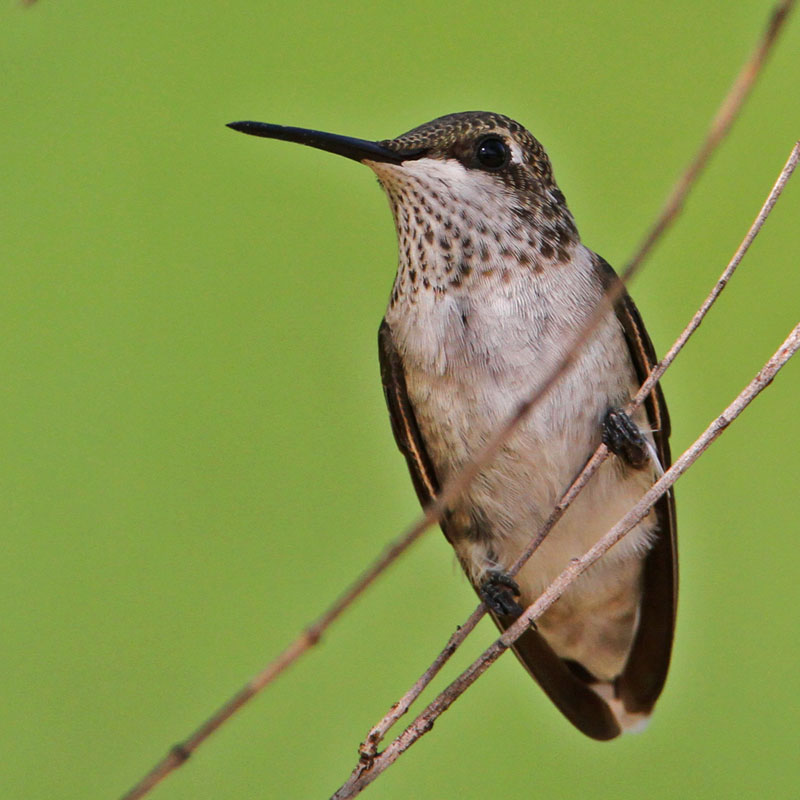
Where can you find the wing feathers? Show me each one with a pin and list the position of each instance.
(645, 672)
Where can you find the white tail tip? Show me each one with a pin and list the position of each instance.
(634, 722)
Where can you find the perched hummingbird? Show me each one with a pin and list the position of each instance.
(492, 285)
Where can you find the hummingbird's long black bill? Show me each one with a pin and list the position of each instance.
(357, 149)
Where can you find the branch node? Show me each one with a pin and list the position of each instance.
(180, 753)
(313, 635)
(368, 749)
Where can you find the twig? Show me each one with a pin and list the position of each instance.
(363, 775)
(376, 734)
(724, 119)
(453, 488)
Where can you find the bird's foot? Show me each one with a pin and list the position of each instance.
(623, 438)
(498, 591)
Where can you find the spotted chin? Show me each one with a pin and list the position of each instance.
(454, 226)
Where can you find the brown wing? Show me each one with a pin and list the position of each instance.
(404, 423)
(570, 694)
(645, 672)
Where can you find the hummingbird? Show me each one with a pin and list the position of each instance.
(493, 283)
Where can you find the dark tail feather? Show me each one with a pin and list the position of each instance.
(573, 697)
(601, 709)
(645, 672)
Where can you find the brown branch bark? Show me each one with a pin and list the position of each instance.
(727, 113)
(365, 773)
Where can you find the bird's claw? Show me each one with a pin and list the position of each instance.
(623, 438)
(498, 591)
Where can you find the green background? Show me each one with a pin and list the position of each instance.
(196, 454)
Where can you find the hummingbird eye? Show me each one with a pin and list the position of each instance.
(492, 152)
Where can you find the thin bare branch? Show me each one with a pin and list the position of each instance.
(376, 734)
(452, 489)
(365, 773)
(758, 223)
(726, 115)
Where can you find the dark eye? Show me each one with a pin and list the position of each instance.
(492, 153)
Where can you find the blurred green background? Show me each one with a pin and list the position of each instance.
(196, 454)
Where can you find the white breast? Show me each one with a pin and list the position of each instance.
(470, 357)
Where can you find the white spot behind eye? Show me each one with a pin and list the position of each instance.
(516, 152)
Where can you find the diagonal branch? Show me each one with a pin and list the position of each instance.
(376, 734)
(727, 113)
(365, 773)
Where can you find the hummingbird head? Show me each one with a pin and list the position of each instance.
(485, 174)
(489, 148)
(471, 193)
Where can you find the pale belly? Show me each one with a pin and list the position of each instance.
(460, 401)
(513, 497)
